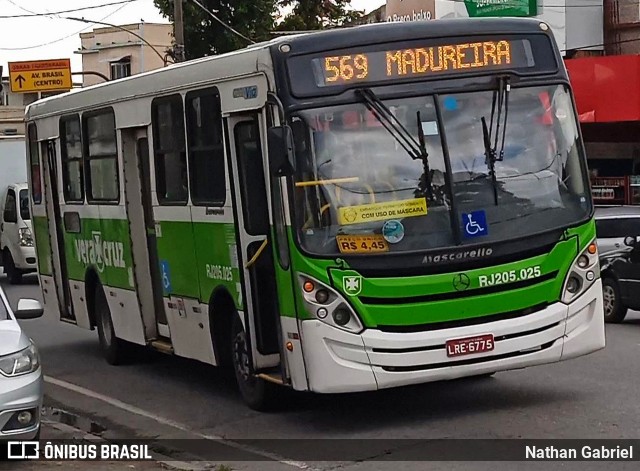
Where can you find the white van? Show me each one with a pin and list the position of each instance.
(17, 252)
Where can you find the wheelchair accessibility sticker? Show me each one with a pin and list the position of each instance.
(474, 224)
(166, 276)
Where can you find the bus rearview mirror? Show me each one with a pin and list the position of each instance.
(281, 153)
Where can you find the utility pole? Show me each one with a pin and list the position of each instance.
(178, 31)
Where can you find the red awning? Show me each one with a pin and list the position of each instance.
(607, 89)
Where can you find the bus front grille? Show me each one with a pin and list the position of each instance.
(427, 298)
(463, 322)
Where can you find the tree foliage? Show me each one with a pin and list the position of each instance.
(256, 19)
(317, 14)
(204, 36)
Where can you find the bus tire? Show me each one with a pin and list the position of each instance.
(10, 269)
(258, 394)
(115, 351)
(614, 310)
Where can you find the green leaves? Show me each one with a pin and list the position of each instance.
(256, 19)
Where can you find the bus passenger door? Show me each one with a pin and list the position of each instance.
(56, 230)
(262, 320)
(135, 151)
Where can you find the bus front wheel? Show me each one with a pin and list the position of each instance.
(256, 392)
(114, 350)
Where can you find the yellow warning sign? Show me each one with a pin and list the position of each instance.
(40, 76)
(362, 243)
(382, 211)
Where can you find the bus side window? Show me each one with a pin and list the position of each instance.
(34, 164)
(72, 166)
(249, 151)
(101, 156)
(167, 118)
(206, 148)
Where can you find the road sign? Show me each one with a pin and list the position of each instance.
(40, 76)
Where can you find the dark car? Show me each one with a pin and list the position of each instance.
(613, 224)
(617, 229)
(620, 271)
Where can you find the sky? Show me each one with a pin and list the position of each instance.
(53, 37)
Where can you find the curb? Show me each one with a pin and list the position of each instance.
(165, 461)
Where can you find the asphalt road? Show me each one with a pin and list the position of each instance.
(161, 396)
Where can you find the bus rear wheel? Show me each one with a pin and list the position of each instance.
(257, 393)
(114, 350)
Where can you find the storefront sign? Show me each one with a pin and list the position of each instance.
(477, 8)
(411, 10)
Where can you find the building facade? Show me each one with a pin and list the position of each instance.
(577, 24)
(117, 52)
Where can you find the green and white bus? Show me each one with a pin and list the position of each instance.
(346, 210)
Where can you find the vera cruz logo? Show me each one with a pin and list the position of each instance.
(99, 252)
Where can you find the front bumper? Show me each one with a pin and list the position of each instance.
(18, 394)
(25, 259)
(337, 361)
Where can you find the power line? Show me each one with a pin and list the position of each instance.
(21, 7)
(611, 43)
(34, 14)
(223, 23)
(120, 28)
(62, 38)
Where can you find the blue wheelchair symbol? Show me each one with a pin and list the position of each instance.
(166, 276)
(475, 224)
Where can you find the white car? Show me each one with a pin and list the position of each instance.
(17, 251)
(21, 380)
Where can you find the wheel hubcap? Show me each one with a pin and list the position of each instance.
(240, 356)
(609, 298)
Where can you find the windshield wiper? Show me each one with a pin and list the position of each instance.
(491, 149)
(417, 150)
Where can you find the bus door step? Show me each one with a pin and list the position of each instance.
(162, 346)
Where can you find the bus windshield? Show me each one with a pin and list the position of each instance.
(355, 177)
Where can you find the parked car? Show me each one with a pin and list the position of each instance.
(21, 381)
(616, 230)
(615, 223)
(17, 252)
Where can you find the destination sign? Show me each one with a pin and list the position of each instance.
(330, 72)
(395, 64)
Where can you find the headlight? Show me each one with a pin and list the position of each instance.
(327, 305)
(24, 362)
(26, 238)
(583, 273)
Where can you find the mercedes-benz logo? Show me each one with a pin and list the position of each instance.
(461, 282)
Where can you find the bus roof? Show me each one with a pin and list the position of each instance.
(407, 31)
(200, 70)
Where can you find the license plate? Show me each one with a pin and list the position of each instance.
(470, 345)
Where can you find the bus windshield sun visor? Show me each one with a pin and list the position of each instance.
(416, 149)
(501, 99)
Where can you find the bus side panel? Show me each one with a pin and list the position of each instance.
(217, 256)
(118, 271)
(102, 245)
(176, 253)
